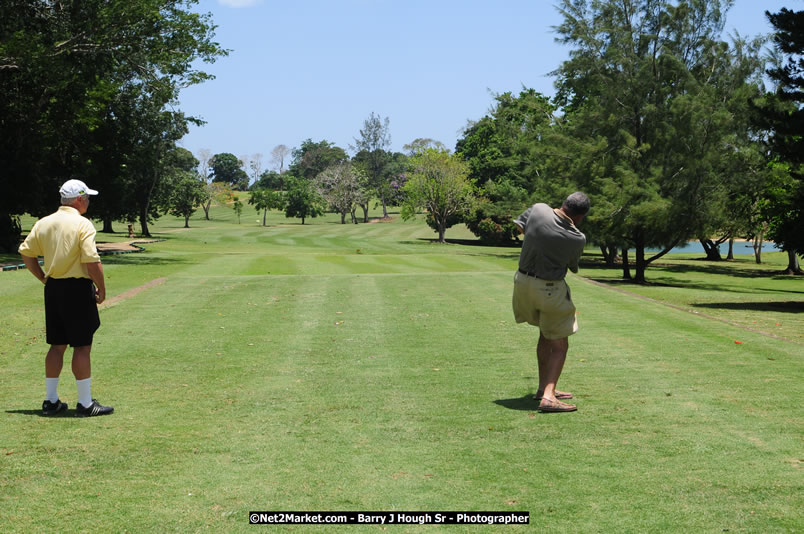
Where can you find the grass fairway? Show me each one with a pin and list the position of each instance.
(363, 367)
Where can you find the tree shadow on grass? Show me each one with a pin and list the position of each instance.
(138, 259)
(680, 283)
(141, 257)
(471, 242)
(10, 259)
(666, 275)
(740, 269)
(784, 307)
(528, 403)
(727, 269)
(685, 283)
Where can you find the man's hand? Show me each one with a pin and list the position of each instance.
(95, 271)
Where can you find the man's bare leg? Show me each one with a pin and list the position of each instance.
(54, 361)
(82, 368)
(551, 353)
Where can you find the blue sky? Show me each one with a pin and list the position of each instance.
(317, 68)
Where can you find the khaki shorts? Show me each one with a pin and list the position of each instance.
(546, 304)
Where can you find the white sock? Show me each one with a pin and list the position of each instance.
(51, 385)
(84, 391)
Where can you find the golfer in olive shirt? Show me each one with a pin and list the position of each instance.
(74, 286)
(541, 297)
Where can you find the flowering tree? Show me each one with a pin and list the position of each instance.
(216, 192)
(341, 187)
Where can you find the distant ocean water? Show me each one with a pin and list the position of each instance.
(740, 247)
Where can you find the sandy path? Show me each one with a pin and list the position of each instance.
(131, 293)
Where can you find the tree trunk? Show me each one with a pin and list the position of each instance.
(302, 220)
(641, 266)
(609, 254)
(730, 256)
(144, 221)
(384, 206)
(145, 206)
(757, 244)
(793, 267)
(711, 249)
(365, 211)
(354, 217)
(206, 206)
(264, 216)
(442, 229)
(186, 221)
(626, 265)
(639, 251)
(642, 263)
(107, 226)
(343, 217)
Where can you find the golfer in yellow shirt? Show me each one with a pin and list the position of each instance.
(74, 286)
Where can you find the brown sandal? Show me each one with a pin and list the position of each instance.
(555, 406)
(559, 395)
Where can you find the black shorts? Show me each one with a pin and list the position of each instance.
(71, 311)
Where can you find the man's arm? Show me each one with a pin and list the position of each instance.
(522, 220)
(32, 264)
(574, 264)
(95, 271)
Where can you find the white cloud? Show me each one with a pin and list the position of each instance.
(240, 3)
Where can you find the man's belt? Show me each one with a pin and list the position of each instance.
(528, 273)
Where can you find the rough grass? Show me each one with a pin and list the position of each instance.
(329, 367)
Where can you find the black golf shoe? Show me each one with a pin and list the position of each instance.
(92, 410)
(53, 408)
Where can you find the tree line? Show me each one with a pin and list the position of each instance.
(321, 176)
(666, 126)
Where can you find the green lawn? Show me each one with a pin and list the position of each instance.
(364, 367)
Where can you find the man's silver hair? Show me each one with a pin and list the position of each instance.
(66, 201)
(577, 204)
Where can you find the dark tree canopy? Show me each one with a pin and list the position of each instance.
(302, 200)
(650, 83)
(227, 169)
(513, 155)
(310, 159)
(72, 75)
(783, 115)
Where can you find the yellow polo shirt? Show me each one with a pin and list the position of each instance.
(66, 240)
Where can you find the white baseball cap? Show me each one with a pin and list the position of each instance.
(75, 188)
